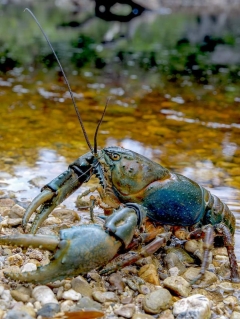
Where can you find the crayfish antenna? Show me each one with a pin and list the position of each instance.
(97, 128)
(65, 78)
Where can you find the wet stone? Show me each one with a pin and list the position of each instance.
(178, 285)
(126, 311)
(80, 285)
(48, 310)
(38, 181)
(195, 306)
(157, 301)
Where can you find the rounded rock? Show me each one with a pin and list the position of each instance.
(71, 294)
(48, 310)
(195, 306)
(80, 285)
(44, 295)
(157, 301)
(178, 285)
(126, 311)
(102, 297)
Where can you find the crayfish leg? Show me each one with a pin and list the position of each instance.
(229, 244)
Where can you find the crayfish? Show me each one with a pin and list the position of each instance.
(135, 187)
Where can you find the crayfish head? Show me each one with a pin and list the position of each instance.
(129, 172)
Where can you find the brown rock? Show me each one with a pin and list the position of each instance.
(149, 274)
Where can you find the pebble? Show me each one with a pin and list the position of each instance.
(208, 279)
(29, 267)
(178, 285)
(149, 274)
(15, 260)
(102, 297)
(66, 215)
(157, 301)
(67, 305)
(116, 282)
(6, 202)
(19, 296)
(195, 306)
(71, 294)
(48, 310)
(16, 211)
(235, 315)
(88, 304)
(139, 315)
(126, 311)
(166, 314)
(80, 285)
(44, 295)
(18, 314)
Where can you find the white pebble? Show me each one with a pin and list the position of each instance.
(196, 306)
(71, 295)
(29, 267)
(44, 295)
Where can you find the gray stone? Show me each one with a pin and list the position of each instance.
(16, 211)
(88, 304)
(102, 296)
(178, 285)
(48, 310)
(195, 306)
(157, 301)
(80, 285)
(126, 311)
(18, 314)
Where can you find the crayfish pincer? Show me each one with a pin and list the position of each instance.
(81, 248)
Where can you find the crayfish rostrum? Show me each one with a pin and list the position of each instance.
(136, 187)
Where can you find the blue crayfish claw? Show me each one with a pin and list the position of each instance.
(79, 250)
(55, 192)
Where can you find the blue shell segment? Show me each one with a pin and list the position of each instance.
(178, 202)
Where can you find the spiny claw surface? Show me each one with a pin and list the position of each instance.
(80, 250)
(28, 240)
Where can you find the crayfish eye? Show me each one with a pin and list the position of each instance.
(114, 156)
